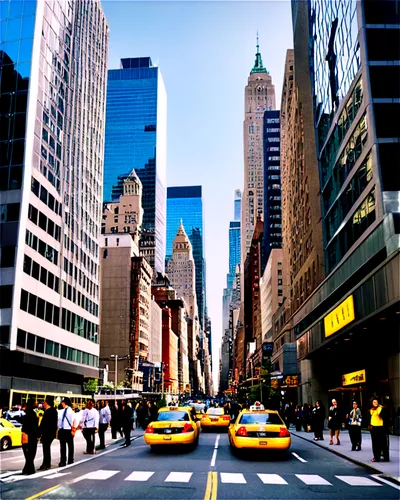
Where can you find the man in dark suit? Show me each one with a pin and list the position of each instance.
(47, 431)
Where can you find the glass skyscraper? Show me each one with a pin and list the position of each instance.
(53, 84)
(186, 203)
(234, 251)
(136, 137)
(272, 185)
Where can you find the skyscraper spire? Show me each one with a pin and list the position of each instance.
(258, 64)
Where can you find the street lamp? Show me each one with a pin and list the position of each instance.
(116, 365)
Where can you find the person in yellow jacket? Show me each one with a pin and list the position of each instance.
(379, 434)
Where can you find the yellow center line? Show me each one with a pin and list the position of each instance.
(43, 492)
(212, 485)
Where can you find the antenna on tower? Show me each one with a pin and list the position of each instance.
(258, 47)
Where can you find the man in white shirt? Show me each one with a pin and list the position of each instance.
(65, 425)
(89, 425)
(104, 420)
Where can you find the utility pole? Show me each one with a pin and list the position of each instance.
(162, 380)
(115, 378)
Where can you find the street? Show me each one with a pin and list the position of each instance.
(209, 472)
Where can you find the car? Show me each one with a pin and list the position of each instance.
(14, 413)
(215, 417)
(9, 435)
(260, 429)
(174, 426)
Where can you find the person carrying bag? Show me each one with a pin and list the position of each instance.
(66, 432)
(29, 437)
(90, 425)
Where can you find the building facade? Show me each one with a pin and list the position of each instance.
(53, 88)
(136, 135)
(186, 203)
(272, 185)
(259, 97)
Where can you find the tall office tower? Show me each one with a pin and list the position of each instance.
(259, 97)
(234, 252)
(238, 205)
(53, 88)
(185, 203)
(181, 271)
(136, 137)
(354, 55)
(272, 185)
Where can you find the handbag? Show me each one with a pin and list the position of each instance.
(24, 438)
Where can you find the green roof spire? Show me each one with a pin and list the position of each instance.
(258, 64)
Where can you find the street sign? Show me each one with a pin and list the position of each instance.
(354, 378)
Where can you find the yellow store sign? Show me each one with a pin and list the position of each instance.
(354, 378)
(341, 316)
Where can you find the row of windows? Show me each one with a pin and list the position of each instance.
(43, 248)
(39, 219)
(38, 344)
(47, 311)
(78, 275)
(40, 273)
(79, 298)
(44, 196)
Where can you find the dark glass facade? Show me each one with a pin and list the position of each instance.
(234, 252)
(272, 185)
(135, 138)
(186, 203)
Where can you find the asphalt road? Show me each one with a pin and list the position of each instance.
(210, 472)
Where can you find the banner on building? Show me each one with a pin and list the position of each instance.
(341, 316)
(290, 381)
(354, 378)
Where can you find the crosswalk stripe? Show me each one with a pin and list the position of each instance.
(313, 480)
(271, 479)
(97, 475)
(358, 481)
(179, 477)
(229, 477)
(139, 475)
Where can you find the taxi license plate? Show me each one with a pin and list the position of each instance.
(214, 420)
(167, 438)
(262, 443)
(262, 434)
(167, 431)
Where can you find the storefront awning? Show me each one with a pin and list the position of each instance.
(342, 389)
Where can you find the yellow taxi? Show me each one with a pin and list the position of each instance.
(215, 417)
(174, 425)
(9, 435)
(258, 428)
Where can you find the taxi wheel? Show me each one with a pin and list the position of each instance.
(154, 448)
(5, 444)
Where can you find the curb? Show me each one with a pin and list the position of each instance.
(350, 459)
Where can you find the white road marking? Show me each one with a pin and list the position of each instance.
(271, 479)
(229, 477)
(298, 458)
(214, 457)
(96, 475)
(139, 475)
(57, 475)
(19, 460)
(358, 481)
(313, 479)
(179, 477)
(377, 477)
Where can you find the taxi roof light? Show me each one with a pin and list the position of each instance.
(242, 431)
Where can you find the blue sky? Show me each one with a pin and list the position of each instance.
(205, 51)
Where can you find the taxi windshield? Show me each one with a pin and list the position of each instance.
(261, 418)
(182, 416)
(215, 411)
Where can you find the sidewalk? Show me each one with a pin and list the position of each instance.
(362, 457)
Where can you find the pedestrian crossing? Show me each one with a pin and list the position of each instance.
(229, 478)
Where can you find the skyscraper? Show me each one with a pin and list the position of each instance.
(185, 203)
(272, 238)
(234, 251)
(53, 87)
(238, 205)
(259, 97)
(136, 135)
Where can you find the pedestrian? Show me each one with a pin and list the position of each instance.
(298, 417)
(142, 412)
(115, 421)
(126, 421)
(66, 432)
(90, 425)
(334, 422)
(318, 419)
(104, 420)
(379, 431)
(153, 411)
(355, 419)
(306, 417)
(48, 431)
(29, 437)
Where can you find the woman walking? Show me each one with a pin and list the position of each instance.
(334, 422)
(318, 419)
(379, 434)
(298, 417)
(355, 420)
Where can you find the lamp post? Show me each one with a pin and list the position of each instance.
(115, 377)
